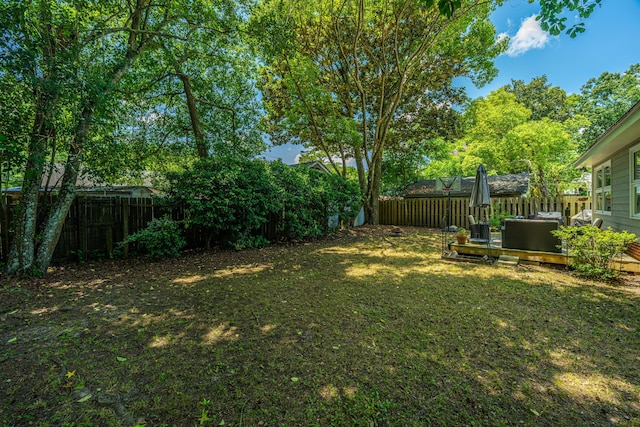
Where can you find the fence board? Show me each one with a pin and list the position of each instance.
(96, 224)
(432, 212)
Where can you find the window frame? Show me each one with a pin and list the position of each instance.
(634, 183)
(600, 190)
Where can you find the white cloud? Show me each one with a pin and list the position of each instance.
(529, 36)
(296, 159)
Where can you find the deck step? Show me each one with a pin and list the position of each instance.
(508, 260)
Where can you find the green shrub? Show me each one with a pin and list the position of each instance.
(497, 217)
(224, 196)
(594, 249)
(231, 198)
(162, 238)
(310, 197)
(247, 242)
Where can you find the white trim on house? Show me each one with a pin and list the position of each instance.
(602, 188)
(634, 182)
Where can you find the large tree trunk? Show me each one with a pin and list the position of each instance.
(196, 123)
(23, 257)
(58, 212)
(22, 248)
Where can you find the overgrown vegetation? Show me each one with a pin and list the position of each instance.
(595, 249)
(497, 217)
(162, 238)
(360, 329)
(231, 198)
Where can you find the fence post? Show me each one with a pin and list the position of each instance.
(4, 227)
(125, 224)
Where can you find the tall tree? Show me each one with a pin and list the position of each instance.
(203, 86)
(488, 121)
(603, 100)
(542, 99)
(544, 149)
(372, 59)
(74, 56)
(501, 134)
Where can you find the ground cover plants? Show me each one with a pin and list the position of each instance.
(365, 328)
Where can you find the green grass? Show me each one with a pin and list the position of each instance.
(364, 329)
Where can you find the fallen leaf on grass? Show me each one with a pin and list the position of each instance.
(84, 399)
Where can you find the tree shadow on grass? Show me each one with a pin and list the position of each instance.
(378, 331)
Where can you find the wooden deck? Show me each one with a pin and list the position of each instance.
(626, 263)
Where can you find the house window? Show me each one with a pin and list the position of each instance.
(634, 160)
(602, 187)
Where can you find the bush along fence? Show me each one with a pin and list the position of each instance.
(240, 202)
(95, 225)
(432, 212)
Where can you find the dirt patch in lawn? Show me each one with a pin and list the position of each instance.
(367, 327)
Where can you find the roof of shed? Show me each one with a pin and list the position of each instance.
(499, 186)
(315, 164)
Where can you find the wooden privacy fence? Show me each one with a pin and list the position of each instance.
(94, 225)
(432, 212)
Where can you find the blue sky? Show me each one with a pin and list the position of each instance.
(611, 43)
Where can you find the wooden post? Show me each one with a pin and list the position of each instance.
(125, 224)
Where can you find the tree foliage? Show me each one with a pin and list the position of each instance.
(74, 60)
(231, 198)
(553, 13)
(355, 68)
(501, 132)
(542, 99)
(604, 99)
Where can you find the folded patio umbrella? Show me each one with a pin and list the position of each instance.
(480, 196)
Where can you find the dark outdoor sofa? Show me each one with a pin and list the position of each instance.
(530, 235)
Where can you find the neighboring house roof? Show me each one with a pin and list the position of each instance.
(316, 164)
(138, 191)
(88, 185)
(623, 132)
(512, 185)
(53, 178)
(119, 190)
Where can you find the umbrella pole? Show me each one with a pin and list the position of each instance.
(486, 220)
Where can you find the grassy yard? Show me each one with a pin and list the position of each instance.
(362, 329)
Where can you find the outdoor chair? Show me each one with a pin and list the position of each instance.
(480, 233)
